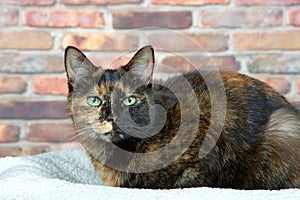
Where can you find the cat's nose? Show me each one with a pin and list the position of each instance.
(101, 118)
(110, 118)
(106, 117)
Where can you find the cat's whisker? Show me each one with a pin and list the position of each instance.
(70, 138)
(83, 133)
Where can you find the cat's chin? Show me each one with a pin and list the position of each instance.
(114, 136)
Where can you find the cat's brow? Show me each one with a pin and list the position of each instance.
(107, 81)
(110, 76)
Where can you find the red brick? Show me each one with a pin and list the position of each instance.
(240, 17)
(274, 63)
(109, 60)
(25, 40)
(281, 84)
(298, 86)
(50, 132)
(10, 151)
(9, 133)
(33, 150)
(69, 145)
(76, 2)
(196, 42)
(267, 41)
(99, 2)
(64, 18)
(31, 63)
(44, 18)
(156, 19)
(28, 2)
(267, 2)
(295, 17)
(88, 19)
(8, 17)
(23, 150)
(33, 110)
(103, 42)
(184, 64)
(12, 85)
(189, 3)
(50, 85)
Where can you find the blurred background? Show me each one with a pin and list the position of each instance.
(260, 38)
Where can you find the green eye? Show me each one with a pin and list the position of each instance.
(94, 101)
(129, 101)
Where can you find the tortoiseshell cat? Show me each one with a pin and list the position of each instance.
(259, 146)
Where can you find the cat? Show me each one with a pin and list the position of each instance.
(258, 146)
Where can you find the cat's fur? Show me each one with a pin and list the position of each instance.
(259, 147)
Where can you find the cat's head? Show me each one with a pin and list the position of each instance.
(105, 104)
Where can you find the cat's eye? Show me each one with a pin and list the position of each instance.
(130, 101)
(94, 101)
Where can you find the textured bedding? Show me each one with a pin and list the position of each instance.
(69, 174)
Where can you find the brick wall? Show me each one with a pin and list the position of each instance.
(257, 37)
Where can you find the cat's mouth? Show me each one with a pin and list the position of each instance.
(111, 131)
(114, 136)
(105, 126)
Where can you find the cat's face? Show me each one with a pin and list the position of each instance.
(111, 105)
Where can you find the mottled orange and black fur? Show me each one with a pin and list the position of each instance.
(259, 146)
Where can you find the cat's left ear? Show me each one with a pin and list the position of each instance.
(78, 67)
(142, 64)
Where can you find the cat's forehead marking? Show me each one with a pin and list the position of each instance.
(107, 81)
(110, 76)
(100, 90)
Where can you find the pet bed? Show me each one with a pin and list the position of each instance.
(69, 174)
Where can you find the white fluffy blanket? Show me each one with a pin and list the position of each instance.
(69, 175)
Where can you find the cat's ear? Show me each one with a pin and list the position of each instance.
(78, 66)
(142, 64)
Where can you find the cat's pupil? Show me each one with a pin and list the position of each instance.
(129, 101)
(94, 101)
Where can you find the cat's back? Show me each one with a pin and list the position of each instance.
(261, 128)
(248, 102)
(236, 86)
(238, 90)
(242, 98)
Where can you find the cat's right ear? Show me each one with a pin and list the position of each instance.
(78, 66)
(142, 64)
